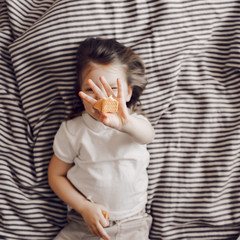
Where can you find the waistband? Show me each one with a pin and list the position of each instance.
(139, 215)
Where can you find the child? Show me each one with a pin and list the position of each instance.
(100, 159)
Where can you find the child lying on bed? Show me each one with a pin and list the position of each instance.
(100, 158)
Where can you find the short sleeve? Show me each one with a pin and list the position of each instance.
(63, 146)
(141, 116)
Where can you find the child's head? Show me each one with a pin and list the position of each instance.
(97, 51)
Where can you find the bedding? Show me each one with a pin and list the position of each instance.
(191, 50)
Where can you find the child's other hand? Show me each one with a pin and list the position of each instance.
(114, 120)
(94, 216)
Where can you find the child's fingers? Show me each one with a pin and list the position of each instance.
(120, 88)
(87, 98)
(94, 230)
(103, 234)
(99, 231)
(107, 87)
(99, 93)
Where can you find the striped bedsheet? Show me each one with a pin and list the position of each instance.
(191, 50)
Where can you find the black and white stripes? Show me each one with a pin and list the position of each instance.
(191, 50)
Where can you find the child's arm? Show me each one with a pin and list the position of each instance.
(92, 213)
(140, 129)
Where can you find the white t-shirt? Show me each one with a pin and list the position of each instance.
(109, 167)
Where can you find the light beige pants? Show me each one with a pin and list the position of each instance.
(134, 228)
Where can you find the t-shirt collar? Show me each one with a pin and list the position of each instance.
(93, 123)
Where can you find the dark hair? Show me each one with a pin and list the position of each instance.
(107, 51)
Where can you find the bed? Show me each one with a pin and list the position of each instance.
(191, 50)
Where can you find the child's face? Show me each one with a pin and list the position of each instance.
(110, 72)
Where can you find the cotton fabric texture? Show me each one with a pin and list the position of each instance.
(109, 167)
(134, 228)
(191, 53)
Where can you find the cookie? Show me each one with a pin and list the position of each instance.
(107, 105)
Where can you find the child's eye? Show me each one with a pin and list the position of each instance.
(88, 90)
(114, 88)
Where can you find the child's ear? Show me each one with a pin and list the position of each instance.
(129, 95)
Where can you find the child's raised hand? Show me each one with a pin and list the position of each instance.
(96, 218)
(114, 120)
